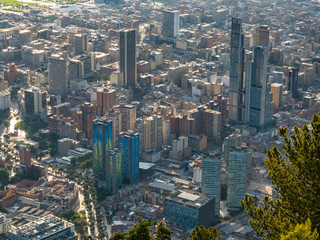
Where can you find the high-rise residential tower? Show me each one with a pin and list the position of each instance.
(171, 24)
(128, 58)
(150, 130)
(106, 99)
(129, 147)
(58, 75)
(35, 103)
(128, 116)
(211, 174)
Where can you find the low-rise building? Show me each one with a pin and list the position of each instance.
(189, 209)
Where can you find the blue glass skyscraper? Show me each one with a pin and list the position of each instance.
(102, 142)
(129, 147)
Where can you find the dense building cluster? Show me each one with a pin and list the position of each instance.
(167, 108)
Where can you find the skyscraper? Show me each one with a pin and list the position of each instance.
(237, 96)
(211, 174)
(277, 90)
(236, 177)
(150, 132)
(293, 82)
(129, 147)
(261, 105)
(128, 116)
(35, 103)
(102, 142)
(171, 24)
(58, 75)
(115, 117)
(114, 170)
(80, 43)
(85, 118)
(106, 99)
(128, 58)
(262, 36)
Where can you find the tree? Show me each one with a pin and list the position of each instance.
(34, 173)
(53, 151)
(302, 232)
(295, 175)
(201, 233)
(4, 175)
(163, 233)
(73, 160)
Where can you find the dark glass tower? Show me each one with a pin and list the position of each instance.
(237, 98)
(128, 59)
(129, 147)
(293, 82)
(261, 105)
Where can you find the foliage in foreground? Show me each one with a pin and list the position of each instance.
(302, 232)
(145, 230)
(296, 177)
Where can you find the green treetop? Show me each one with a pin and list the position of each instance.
(296, 177)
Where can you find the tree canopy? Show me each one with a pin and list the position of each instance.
(296, 177)
(144, 230)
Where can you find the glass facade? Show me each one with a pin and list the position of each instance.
(114, 171)
(236, 178)
(102, 142)
(211, 174)
(129, 147)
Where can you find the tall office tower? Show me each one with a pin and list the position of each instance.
(85, 118)
(211, 174)
(25, 156)
(80, 43)
(150, 130)
(128, 58)
(106, 99)
(128, 116)
(58, 75)
(261, 105)
(262, 36)
(35, 103)
(276, 90)
(129, 147)
(115, 117)
(171, 24)
(102, 142)
(114, 170)
(237, 96)
(293, 82)
(236, 178)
